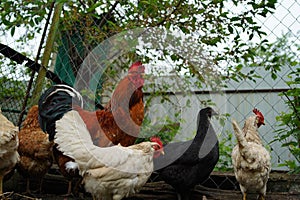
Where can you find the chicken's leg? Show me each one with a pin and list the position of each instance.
(69, 192)
(69, 188)
(183, 195)
(41, 185)
(245, 196)
(28, 186)
(1, 180)
(261, 197)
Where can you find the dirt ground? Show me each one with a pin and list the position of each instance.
(220, 186)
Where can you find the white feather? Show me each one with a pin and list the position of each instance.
(69, 90)
(71, 166)
(9, 143)
(111, 171)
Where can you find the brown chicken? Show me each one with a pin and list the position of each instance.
(8, 147)
(35, 149)
(123, 114)
(251, 161)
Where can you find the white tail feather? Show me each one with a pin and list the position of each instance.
(74, 140)
(239, 134)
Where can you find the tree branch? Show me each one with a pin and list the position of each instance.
(20, 58)
(167, 16)
(107, 15)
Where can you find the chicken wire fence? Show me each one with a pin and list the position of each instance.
(237, 99)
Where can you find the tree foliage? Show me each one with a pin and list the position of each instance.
(218, 26)
(289, 133)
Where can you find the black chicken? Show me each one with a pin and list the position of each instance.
(186, 164)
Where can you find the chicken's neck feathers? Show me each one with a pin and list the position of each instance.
(250, 130)
(201, 136)
(202, 130)
(126, 94)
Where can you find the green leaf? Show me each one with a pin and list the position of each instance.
(294, 63)
(273, 75)
(230, 29)
(94, 6)
(12, 31)
(251, 36)
(239, 67)
(234, 19)
(168, 24)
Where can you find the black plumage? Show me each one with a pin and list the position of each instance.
(54, 103)
(186, 164)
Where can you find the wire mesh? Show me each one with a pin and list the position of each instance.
(237, 99)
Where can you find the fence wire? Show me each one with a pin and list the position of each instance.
(238, 99)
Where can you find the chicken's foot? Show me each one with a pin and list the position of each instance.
(261, 197)
(69, 192)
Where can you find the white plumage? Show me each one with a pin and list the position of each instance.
(108, 173)
(251, 161)
(8, 147)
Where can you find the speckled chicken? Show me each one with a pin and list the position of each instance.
(8, 147)
(250, 159)
(35, 149)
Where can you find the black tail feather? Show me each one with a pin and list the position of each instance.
(54, 103)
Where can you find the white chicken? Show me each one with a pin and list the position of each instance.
(251, 161)
(8, 147)
(108, 173)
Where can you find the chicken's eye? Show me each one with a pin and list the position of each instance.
(156, 147)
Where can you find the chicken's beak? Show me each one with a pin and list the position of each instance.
(161, 150)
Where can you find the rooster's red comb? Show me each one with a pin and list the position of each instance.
(137, 66)
(258, 113)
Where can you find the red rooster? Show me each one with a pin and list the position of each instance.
(123, 114)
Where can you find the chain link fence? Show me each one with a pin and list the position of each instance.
(237, 99)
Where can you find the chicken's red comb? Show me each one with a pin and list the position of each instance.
(157, 140)
(258, 113)
(137, 65)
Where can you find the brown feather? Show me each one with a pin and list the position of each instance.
(34, 147)
(121, 119)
